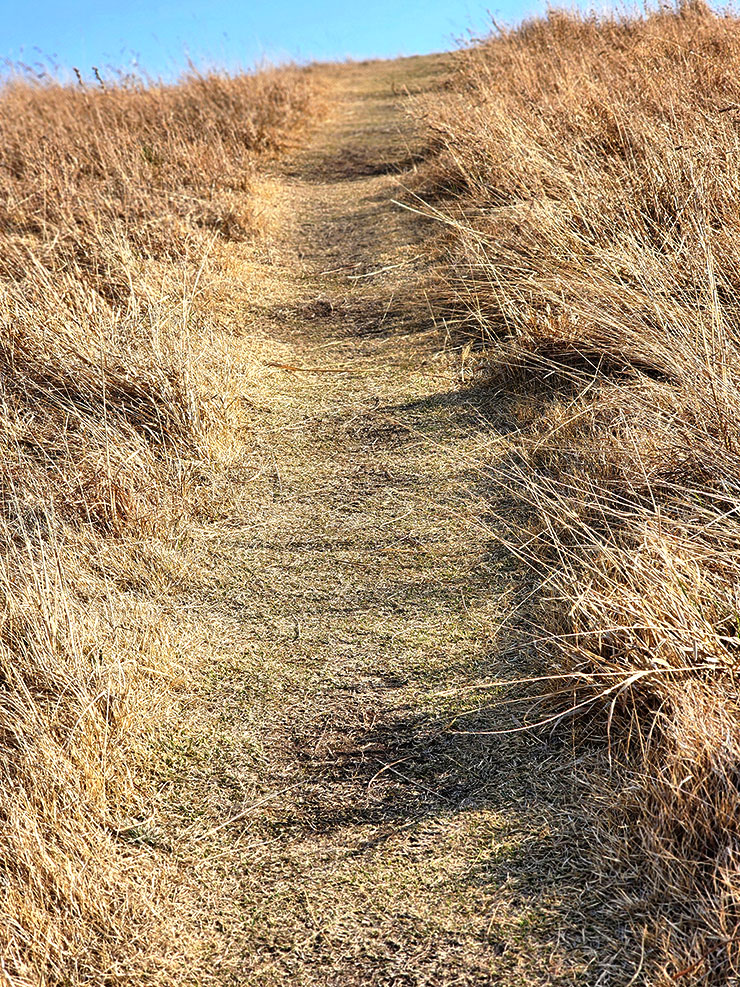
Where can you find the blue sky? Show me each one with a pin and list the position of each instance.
(158, 35)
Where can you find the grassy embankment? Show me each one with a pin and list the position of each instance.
(589, 173)
(118, 204)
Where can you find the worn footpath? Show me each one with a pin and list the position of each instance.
(338, 825)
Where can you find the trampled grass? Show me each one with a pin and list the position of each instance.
(587, 169)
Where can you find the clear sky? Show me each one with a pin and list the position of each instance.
(157, 35)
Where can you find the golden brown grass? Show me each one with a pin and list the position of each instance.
(113, 397)
(588, 169)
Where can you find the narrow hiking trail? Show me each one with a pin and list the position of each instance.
(337, 830)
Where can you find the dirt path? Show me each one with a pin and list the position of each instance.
(346, 594)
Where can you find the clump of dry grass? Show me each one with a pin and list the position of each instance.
(113, 384)
(588, 169)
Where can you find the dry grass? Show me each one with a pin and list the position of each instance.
(588, 169)
(115, 201)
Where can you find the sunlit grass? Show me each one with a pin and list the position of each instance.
(587, 169)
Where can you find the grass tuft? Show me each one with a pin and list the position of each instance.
(587, 169)
(118, 202)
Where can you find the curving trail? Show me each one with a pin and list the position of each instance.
(338, 831)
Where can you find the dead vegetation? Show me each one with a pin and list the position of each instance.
(116, 201)
(588, 171)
